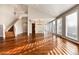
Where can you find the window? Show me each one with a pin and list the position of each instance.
(54, 27)
(71, 25)
(51, 27)
(48, 28)
(59, 26)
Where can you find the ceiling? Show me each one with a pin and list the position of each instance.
(52, 10)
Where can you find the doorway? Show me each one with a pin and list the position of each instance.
(33, 29)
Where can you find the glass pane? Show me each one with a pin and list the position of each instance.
(54, 27)
(51, 27)
(71, 25)
(59, 26)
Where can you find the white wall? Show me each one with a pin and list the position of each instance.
(6, 14)
(25, 24)
(18, 27)
(39, 28)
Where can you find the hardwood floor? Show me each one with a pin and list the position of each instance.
(22, 45)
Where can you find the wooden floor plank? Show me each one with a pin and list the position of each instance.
(40, 46)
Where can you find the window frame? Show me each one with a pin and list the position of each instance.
(54, 25)
(59, 19)
(76, 24)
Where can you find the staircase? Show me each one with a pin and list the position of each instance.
(11, 24)
(10, 30)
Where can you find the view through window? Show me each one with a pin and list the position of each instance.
(71, 25)
(54, 27)
(59, 26)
